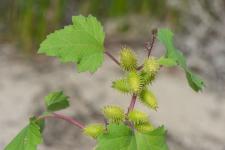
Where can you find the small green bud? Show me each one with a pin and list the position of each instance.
(151, 66)
(137, 117)
(146, 127)
(114, 114)
(135, 82)
(94, 130)
(121, 85)
(128, 59)
(148, 98)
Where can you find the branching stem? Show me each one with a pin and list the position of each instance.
(63, 117)
(132, 103)
(149, 48)
(112, 57)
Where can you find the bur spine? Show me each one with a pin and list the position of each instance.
(113, 113)
(151, 66)
(128, 60)
(137, 117)
(149, 99)
(135, 82)
(147, 78)
(146, 127)
(121, 85)
(94, 130)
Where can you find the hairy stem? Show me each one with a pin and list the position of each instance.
(113, 58)
(132, 103)
(63, 117)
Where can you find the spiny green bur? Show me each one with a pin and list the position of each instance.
(113, 113)
(82, 43)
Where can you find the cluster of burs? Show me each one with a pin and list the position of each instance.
(135, 82)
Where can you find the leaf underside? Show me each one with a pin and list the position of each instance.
(121, 137)
(165, 36)
(80, 43)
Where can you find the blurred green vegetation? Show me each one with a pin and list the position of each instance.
(115, 8)
(28, 21)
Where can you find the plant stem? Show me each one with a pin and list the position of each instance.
(132, 103)
(149, 48)
(140, 67)
(113, 58)
(152, 43)
(63, 117)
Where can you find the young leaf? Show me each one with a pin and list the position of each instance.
(165, 36)
(56, 101)
(27, 139)
(197, 84)
(120, 137)
(168, 62)
(81, 43)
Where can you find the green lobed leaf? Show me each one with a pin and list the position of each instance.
(121, 137)
(165, 36)
(81, 43)
(56, 101)
(27, 139)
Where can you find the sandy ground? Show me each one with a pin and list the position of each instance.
(194, 121)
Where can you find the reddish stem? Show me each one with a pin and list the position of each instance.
(63, 117)
(152, 43)
(149, 48)
(132, 103)
(113, 58)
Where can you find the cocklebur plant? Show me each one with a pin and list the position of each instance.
(83, 44)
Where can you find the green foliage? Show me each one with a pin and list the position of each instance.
(27, 139)
(56, 101)
(28, 21)
(121, 137)
(165, 36)
(167, 62)
(81, 43)
(117, 8)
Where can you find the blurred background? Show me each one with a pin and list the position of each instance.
(194, 121)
